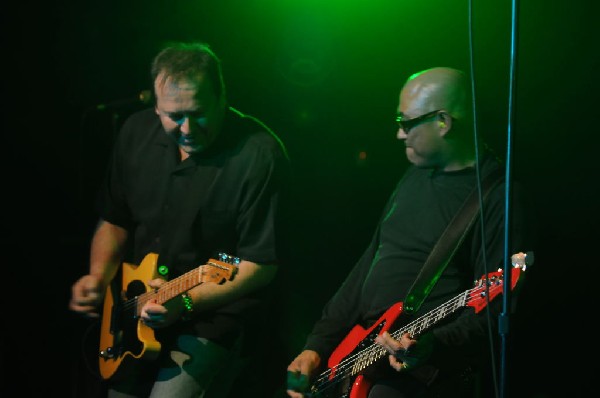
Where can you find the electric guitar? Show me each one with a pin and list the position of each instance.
(356, 353)
(124, 338)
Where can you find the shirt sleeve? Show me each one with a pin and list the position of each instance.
(341, 313)
(111, 201)
(259, 223)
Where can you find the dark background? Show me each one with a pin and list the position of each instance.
(325, 76)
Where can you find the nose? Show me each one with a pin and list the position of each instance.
(401, 134)
(186, 126)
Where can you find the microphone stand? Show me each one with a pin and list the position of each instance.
(503, 320)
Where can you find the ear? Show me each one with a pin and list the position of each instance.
(444, 123)
(156, 109)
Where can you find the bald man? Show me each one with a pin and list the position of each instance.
(435, 122)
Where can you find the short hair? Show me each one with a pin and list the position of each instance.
(189, 60)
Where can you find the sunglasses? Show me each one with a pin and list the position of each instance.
(409, 124)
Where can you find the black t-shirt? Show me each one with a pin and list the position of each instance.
(223, 200)
(417, 213)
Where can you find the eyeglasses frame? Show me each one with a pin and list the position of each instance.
(409, 124)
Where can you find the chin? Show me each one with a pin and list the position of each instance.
(412, 158)
(419, 162)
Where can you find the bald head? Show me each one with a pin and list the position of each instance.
(437, 88)
(437, 102)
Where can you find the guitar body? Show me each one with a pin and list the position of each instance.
(360, 388)
(355, 341)
(123, 337)
(360, 337)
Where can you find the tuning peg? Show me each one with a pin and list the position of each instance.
(229, 259)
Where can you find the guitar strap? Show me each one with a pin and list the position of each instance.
(448, 244)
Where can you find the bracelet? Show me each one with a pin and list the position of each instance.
(188, 306)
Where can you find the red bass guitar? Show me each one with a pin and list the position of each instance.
(357, 352)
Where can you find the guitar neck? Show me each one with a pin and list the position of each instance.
(171, 289)
(357, 362)
(414, 328)
(426, 321)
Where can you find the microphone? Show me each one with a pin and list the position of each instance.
(143, 97)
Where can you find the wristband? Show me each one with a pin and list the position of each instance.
(188, 307)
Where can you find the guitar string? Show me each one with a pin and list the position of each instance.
(180, 280)
(177, 282)
(367, 356)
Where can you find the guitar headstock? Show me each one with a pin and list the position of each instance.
(220, 270)
(488, 287)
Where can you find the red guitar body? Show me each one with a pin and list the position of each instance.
(357, 339)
